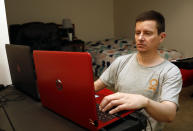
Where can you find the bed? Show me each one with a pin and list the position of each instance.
(105, 51)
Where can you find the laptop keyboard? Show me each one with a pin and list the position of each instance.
(104, 116)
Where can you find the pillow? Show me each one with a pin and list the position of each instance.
(187, 77)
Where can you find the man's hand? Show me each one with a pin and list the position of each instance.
(123, 101)
(164, 111)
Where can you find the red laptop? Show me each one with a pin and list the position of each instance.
(66, 86)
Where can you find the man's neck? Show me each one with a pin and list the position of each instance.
(149, 59)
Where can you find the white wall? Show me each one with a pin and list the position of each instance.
(178, 15)
(4, 39)
(93, 19)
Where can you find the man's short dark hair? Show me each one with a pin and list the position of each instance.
(153, 15)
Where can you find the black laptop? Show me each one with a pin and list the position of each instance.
(22, 69)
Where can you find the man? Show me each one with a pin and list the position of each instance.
(144, 79)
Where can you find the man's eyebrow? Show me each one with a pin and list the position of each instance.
(148, 30)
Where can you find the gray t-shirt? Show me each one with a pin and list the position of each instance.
(162, 82)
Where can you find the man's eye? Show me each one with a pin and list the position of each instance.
(148, 33)
(137, 33)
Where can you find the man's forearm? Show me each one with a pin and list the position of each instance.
(98, 85)
(163, 112)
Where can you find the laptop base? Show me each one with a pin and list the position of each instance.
(136, 123)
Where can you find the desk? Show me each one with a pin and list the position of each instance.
(27, 114)
(30, 115)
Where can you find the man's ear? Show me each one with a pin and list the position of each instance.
(162, 36)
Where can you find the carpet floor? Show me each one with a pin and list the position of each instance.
(184, 117)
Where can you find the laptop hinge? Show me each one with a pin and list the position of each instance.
(94, 123)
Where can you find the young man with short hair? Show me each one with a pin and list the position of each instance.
(144, 79)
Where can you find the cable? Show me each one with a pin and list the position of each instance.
(141, 114)
(11, 96)
(10, 122)
(149, 124)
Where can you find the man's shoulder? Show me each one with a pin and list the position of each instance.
(126, 57)
(170, 65)
(170, 68)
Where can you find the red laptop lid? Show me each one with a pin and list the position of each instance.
(65, 82)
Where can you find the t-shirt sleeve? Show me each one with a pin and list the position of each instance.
(172, 85)
(109, 76)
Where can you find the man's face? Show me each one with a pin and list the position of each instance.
(147, 37)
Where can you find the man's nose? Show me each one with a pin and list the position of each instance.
(141, 37)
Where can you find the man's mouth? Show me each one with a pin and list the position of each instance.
(139, 44)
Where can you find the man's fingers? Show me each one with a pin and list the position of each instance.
(118, 109)
(107, 99)
(112, 104)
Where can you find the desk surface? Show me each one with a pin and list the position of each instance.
(29, 115)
